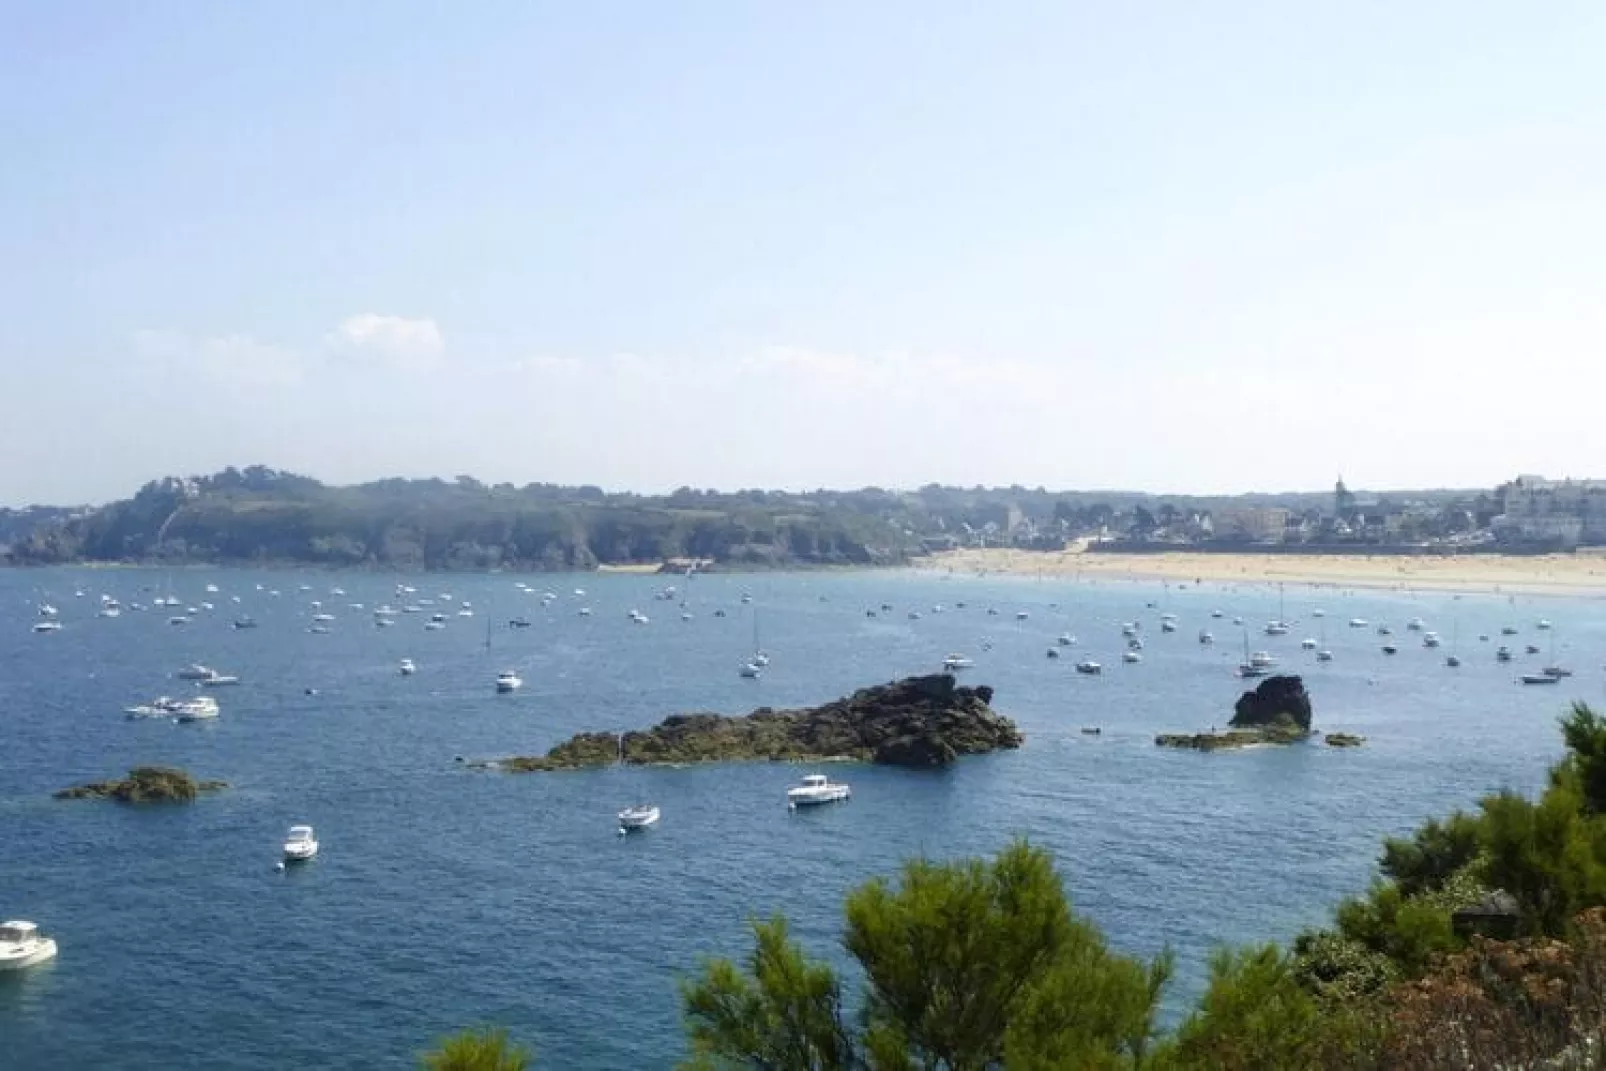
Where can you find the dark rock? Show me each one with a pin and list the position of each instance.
(920, 721)
(1232, 738)
(1279, 700)
(1344, 740)
(144, 784)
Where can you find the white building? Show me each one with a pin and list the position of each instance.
(1568, 512)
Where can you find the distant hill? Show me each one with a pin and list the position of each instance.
(259, 515)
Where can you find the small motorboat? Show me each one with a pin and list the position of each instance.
(1502, 654)
(47, 626)
(1556, 671)
(1130, 657)
(1384, 630)
(1053, 652)
(508, 681)
(519, 622)
(218, 680)
(1389, 648)
(21, 945)
(1168, 625)
(1249, 669)
(1090, 667)
(1205, 637)
(957, 661)
(1276, 628)
(1532, 648)
(1453, 661)
(1324, 656)
(1416, 624)
(1066, 640)
(1307, 644)
(1539, 678)
(1542, 625)
(300, 844)
(816, 789)
(1216, 613)
(1430, 639)
(1508, 630)
(406, 667)
(640, 816)
(201, 708)
(750, 671)
(1262, 660)
(1357, 622)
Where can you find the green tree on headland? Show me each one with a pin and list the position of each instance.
(967, 965)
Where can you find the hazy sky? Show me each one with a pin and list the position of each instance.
(1177, 247)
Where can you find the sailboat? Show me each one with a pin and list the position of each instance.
(1252, 666)
(1279, 627)
(759, 658)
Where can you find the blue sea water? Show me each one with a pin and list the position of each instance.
(445, 897)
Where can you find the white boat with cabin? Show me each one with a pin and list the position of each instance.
(300, 844)
(957, 661)
(816, 789)
(640, 816)
(508, 681)
(406, 668)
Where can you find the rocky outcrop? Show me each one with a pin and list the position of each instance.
(1232, 738)
(1344, 740)
(919, 721)
(1278, 701)
(144, 784)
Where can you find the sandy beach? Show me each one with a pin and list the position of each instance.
(1583, 573)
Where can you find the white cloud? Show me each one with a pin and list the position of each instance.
(395, 340)
(232, 359)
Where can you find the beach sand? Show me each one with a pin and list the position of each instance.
(1583, 573)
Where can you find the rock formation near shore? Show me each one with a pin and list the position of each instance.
(1278, 701)
(144, 784)
(1276, 712)
(920, 721)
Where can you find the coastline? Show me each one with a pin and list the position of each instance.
(1581, 573)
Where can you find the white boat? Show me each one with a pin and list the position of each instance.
(815, 789)
(638, 618)
(1318, 613)
(1262, 660)
(1131, 656)
(195, 672)
(1168, 625)
(1276, 628)
(1430, 639)
(1324, 656)
(47, 626)
(1357, 622)
(406, 668)
(178, 619)
(22, 946)
(300, 844)
(750, 671)
(201, 708)
(1307, 644)
(1416, 624)
(323, 617)
(508, 681)
(1066, 640)
(640, 816)
(1205, 636)
(1021, 615)
(46, 610)
(1090, 667)
(957, 661)
(1542, 625)
(218, 680)
(110, 611)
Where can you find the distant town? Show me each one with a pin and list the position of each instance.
(1529, 514)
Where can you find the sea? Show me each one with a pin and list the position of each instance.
(446, 896)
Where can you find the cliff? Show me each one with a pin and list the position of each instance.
(919, 721)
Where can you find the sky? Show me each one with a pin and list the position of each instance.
(1173, 247)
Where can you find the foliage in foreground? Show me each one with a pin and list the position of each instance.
(476, 1050)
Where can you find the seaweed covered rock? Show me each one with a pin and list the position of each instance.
(1278, 701)
(144, 784)
(920, 721)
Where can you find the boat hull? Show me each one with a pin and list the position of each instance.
(833, 794)
(37, 952)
